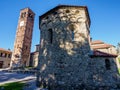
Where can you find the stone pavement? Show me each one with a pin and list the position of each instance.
(29, 79)
(6, 77)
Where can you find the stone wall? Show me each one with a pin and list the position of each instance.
(6, 62)
(104, 74)
(64, 60)
(34, 59)
(5, 58)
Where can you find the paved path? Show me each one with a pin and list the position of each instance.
(30, 80)
(6, 77)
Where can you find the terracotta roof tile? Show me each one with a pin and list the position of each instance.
(101, 46)
(97, 42)
(1, 49)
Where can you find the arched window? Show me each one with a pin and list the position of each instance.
(30, 16)
(72, 27)
(23, 14)
(50, 35)
(107, 64)
(72, 35)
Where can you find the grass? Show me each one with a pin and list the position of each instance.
(12, 86)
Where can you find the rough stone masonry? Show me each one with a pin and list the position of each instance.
(64, 61)
(22, 45)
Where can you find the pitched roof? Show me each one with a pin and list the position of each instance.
(97, 42)
(1, 49)
(101, 46)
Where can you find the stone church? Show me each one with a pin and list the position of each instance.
(68, 60)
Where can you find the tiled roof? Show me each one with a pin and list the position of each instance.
(1, 49)
(97, 53)
(97, 42)
(101, 46)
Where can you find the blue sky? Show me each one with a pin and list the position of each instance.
(104, 14)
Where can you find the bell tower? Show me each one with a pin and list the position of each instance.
(22, 44)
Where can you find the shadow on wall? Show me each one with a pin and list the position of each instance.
(63, 60)
(105, 71)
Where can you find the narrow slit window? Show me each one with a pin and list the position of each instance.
(107, 64)
(72, 35)
(50, 35)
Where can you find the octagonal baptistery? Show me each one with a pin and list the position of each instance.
(64, 48)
